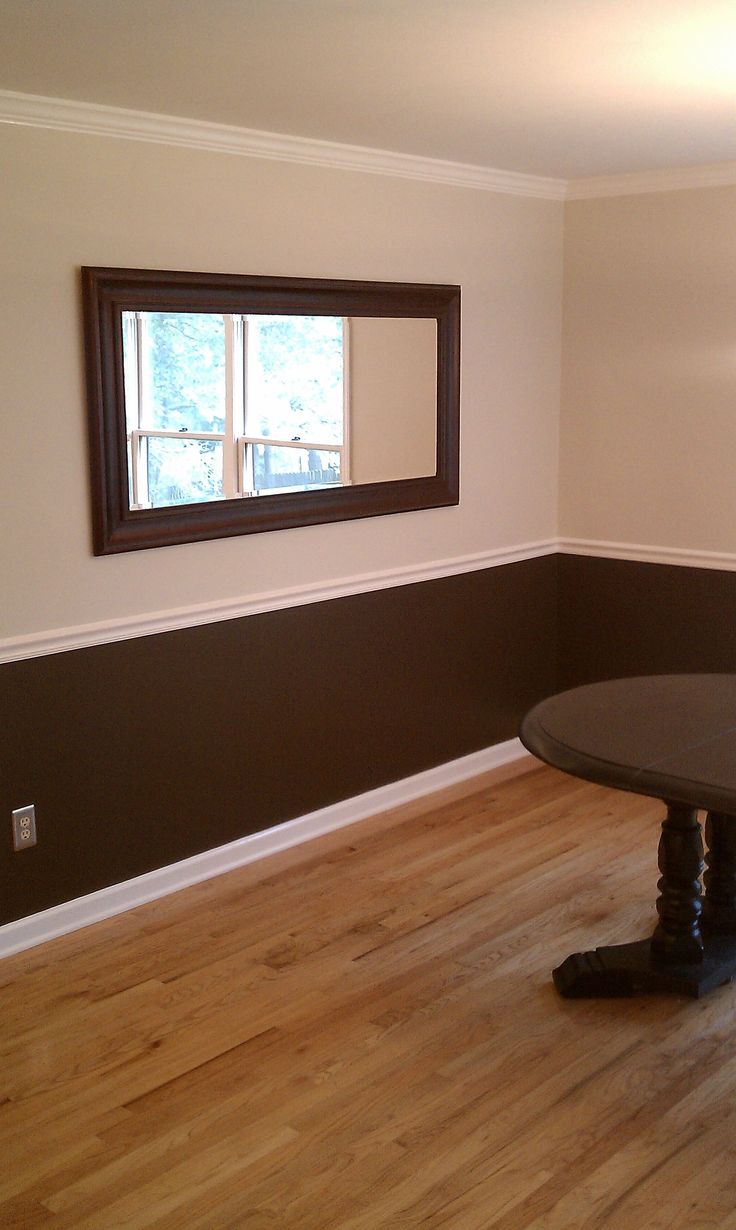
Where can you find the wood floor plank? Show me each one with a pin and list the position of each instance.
(366, 1036)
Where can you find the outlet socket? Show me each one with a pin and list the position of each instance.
(24, 827)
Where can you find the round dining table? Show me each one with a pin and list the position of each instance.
(671, 737)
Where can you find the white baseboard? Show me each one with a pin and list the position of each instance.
(72, 915)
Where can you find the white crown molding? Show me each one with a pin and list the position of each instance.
(59, 640)
(670, 179)
(66, 115)
(95, 119)
(725, 561)
(83, 911)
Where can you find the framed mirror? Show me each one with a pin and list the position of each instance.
(226, 404)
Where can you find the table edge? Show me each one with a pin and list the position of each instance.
(644, 781)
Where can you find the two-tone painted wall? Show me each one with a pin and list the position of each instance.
(140, 744)
(158, 704)
(648, 434)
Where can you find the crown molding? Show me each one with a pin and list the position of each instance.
(666, 180)
(60, 640)
(94, 119)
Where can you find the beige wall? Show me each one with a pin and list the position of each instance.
(393, 398)
(72, 199)
(648, 429)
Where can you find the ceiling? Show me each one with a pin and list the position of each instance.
(563, 88)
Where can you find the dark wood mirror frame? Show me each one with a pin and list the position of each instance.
(107, 293)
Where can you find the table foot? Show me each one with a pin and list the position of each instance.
(625, 969)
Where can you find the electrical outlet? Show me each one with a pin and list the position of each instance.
(24, 827)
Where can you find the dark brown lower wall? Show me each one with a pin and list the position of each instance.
(146, 751)
(618, 617)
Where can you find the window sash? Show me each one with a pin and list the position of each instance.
(246, 474)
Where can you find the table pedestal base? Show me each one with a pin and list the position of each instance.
(681, 956)
(625, 969)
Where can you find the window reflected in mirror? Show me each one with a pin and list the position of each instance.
(221, 406)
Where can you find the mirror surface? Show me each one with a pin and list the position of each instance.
(226, 404)
(221, 406)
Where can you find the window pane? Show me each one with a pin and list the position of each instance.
(295, 377)
(296, 469)
(183, 371)
(183, 471)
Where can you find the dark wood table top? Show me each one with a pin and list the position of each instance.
(669, 736)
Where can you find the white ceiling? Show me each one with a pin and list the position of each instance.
(563, 88)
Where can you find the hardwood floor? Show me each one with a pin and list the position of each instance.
(363, 1034)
